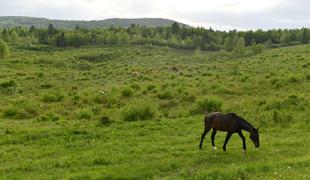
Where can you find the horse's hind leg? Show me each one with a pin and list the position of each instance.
(206, 130)
(212, 138)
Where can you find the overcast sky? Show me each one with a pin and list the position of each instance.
(218, 14)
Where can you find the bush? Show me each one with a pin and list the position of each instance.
(104, 120)
(84, 114)
(139, 111)
(166, 94)
(49, 116)
(4, 50)
(21, 109)
(7, 84)
(207, 104)
(52, 97)
(108, 100)
(282, 118)
(127, 92)
(8, 87)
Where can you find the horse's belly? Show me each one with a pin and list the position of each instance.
(220, 126)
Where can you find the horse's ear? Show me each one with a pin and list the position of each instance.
(257, 129)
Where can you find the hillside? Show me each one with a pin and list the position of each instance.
(136, 112)
(14, 21)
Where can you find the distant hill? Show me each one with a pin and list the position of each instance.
(14, 21)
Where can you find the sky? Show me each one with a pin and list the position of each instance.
(218, 14)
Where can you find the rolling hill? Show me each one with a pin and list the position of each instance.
(14, 21)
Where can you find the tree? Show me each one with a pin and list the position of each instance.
(198, 42)
(268, 43)
(6, 36)
(14, 37)
(60, 40)
(4, 49)
(285, 38)
(304, 38)
(256, 48)
(175, 28)
(51, 30)
(240, 47)
(228, 44)
(198, 53)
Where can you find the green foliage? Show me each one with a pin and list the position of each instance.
(228, 44)
(127, 92)
(239, 49)
(207, 105)
(85, 135)
(139, 111)
(256, 48)
(52, 97)
(175, 28)
(168, 33)
(198, 54)
(4, 50)
(285, 38)
(49, 116)
(21, 109)
(84, 113)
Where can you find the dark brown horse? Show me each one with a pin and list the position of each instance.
(231, 123)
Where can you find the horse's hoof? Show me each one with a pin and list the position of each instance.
(244, 151)
(214, 148)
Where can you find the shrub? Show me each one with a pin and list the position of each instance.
(108, 100)
(84, 114)
(49, 116)
(7, 84)
(52, 97)
(7, 87)
(127, 92)
(104, 120)
(4, 50)
(21, 109)
(282, 118)
(135, 86)
(151, 87)
(308, 77)
(166, 94)
(139, 111)
(207, 104)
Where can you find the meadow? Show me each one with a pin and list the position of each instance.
(136, 112)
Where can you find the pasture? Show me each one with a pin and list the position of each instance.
(136, 112)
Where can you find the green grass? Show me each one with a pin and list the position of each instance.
(138, 113)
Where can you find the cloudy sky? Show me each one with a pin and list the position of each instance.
(220, 14)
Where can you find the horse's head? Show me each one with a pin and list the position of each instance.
(255, 137)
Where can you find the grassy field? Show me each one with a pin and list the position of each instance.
(137, 113)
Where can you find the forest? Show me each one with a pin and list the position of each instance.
(175, 36)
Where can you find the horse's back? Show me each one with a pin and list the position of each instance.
(222, 122)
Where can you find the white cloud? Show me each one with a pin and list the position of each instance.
(221, 14)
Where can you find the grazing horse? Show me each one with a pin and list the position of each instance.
(231, 123)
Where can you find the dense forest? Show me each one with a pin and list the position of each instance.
(176, 36)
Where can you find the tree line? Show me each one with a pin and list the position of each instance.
(175, 36)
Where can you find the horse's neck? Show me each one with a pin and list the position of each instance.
(245, 125)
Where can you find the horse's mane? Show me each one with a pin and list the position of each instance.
(245, 124)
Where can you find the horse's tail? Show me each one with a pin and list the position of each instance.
(206, 119)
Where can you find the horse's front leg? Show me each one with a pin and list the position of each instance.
(243, 140)
(212, 138)
(226, 140)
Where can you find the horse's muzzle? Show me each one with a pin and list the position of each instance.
(257, 145)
